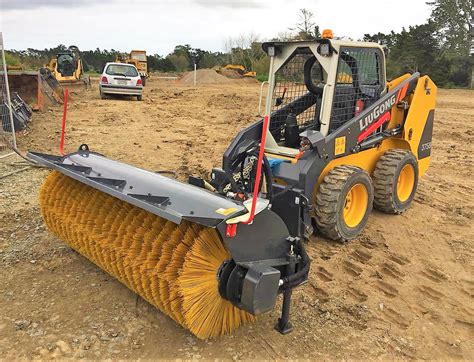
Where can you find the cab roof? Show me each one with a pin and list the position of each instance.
(334, 42)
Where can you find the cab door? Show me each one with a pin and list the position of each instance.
(360, 81)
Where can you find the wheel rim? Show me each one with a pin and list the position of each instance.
(405, 182)
(355, 205)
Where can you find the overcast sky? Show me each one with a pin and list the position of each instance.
(157, 26)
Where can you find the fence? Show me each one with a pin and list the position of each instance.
(7, 129)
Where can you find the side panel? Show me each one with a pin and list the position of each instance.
(424, 147)
(263, 239)
(418, 125)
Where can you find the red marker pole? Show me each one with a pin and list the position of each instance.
(63, 125)
(231, 229)
(259, 169)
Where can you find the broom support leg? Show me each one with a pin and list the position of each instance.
(284, 326)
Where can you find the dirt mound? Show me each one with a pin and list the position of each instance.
(204, 76)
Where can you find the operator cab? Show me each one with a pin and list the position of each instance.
(66, 64)
(319, 86)
(359, 83)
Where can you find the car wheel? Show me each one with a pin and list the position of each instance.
(139, 98)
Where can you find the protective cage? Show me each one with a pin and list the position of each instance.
(359, 83)
(291, 93)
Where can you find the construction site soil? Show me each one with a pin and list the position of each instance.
(403, 289)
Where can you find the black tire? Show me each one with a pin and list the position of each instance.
(102, 95)
(389, 196)
(139, 98)
(332, 198)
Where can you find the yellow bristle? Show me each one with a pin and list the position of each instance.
(206, 313)
(172, 266)
(173, 270)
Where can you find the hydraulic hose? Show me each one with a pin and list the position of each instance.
(293, 280)
(267, 170)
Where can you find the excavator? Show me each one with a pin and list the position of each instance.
(337, 140)
(241, 70)
(67, 67)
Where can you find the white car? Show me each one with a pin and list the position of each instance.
(120, 78)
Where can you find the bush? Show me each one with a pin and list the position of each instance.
(12, 59)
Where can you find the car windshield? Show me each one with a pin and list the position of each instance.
(121, 69)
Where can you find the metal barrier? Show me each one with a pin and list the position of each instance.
(174, 79)
(7, 129)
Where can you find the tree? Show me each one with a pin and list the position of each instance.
(387, 40)
(419, 48)
(246, 50)
(165, 65)
(179, 61)
(305, 28)
(453, 19)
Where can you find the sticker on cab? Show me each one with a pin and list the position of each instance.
(340, 146)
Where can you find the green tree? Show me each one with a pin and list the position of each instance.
(453, 20)
(165, 65)
(12, 59)
(180, 62)
(387, 40)
(305, 28)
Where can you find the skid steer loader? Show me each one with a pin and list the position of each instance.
(337, 140)
(68, 68)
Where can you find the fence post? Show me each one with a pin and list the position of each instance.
(8, 125)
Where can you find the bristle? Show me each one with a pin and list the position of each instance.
(206, 313)
(172, 266)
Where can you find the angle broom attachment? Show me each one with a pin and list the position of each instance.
(173, 267)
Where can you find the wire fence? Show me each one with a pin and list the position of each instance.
(291, 94)
(358, 84)
(7, 130)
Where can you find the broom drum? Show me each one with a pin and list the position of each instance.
(171, 266)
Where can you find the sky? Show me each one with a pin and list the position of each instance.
(157, 26)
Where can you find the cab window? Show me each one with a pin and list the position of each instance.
(359, 83)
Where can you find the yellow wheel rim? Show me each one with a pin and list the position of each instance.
(405, 182)
(355, 205)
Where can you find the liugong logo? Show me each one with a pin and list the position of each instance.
(377, 112)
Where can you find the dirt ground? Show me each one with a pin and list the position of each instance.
(404, 289)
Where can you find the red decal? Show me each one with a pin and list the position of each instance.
(402, 93)
(231, 230)
(384, 118)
